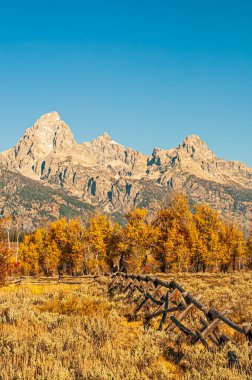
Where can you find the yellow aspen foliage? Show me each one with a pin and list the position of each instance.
(50, 258)
(68, 237)
(75, 246)
(115, 247)
(31, 250)
(97, 237)
(29, 257)
(178, 238)
(175, 235)
(233, 252)
(58, 233)
(209, 245)
(138, 237)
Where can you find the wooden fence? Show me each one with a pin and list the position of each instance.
(71, 280)
(172, 307)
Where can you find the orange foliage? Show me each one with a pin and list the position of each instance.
(179, 238)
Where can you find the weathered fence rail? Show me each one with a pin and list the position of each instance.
(71, 280)
(172, 306)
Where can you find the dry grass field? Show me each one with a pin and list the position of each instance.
(66, 332)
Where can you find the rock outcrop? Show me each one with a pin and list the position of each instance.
(108, 176)
(193, 157)
(48, 139)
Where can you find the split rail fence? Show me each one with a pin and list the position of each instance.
(71, 280)
(169, 304)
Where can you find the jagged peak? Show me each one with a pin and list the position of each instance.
(50, 125)
(54, 116)
(50, 120)
(105, 138)
(190, 141)
(196, 148)
(193, 140)
(48, 134)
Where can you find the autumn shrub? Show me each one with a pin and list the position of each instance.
(43, 336)
(203, 364)
(75, 332)
(75, 304)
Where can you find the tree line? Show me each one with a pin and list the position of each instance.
(178, 238)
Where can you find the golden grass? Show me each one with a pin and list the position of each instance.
(67, 332)
(222, 291)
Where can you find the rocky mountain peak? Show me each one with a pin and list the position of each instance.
(50, 117)
(193, 140)
(196, 148)
(48, 125)
(49, 133)
(106, 174)
(104, 139)
(105, 136)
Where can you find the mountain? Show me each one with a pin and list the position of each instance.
(36, 203)
(105, 175)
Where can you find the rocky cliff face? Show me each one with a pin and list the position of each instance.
(105, 174)
(195, 158)
(46, 140)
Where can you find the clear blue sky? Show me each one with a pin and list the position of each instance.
(147, 72)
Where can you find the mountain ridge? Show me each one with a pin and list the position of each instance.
(114, 178)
